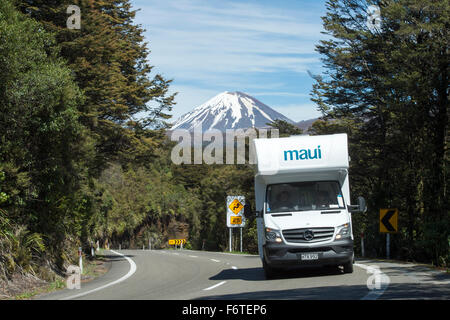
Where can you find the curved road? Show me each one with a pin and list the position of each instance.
(186, 274)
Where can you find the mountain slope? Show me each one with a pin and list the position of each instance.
(229, 110)
(306, 124)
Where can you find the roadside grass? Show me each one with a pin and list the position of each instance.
(91, 269)
(52, 286)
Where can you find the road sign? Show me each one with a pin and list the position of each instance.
(389, 220)
(236, 206)
(236, 220)
(235, 211)
(177, 242)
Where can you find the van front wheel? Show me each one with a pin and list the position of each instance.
(348, 267)
(269, 272)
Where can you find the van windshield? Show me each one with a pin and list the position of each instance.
(303, 196)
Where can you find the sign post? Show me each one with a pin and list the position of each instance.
(80, 259)
(362, 244)
(235, 216)
(388, 225)
(92, 249)
(241, 238)
(231, 231)
(388, 245)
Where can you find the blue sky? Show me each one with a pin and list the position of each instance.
(263, 48)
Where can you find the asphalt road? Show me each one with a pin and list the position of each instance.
(183, 275)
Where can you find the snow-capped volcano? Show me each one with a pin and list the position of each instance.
(229, 110)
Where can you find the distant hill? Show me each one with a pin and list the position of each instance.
(306, 124)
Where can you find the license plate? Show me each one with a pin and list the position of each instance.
(309, 256)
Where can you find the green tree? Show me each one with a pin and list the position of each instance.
(124, 110)
(285, 128)
(391, 85)
(108, 57)
(42, 142)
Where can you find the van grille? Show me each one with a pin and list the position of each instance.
(298, 235)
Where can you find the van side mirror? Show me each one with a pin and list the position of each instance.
(249, 213)
(362, 204)
(360, 207)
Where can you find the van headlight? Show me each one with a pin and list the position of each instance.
(343, 231)
(273, 235)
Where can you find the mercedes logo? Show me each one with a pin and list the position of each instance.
(308, 235)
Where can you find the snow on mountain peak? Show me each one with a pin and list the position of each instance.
(229, 110)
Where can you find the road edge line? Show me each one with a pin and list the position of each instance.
(129, 274)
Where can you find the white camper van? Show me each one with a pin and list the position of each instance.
(302, 199)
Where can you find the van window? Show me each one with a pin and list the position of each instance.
(302, 196)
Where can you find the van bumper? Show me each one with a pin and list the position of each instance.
(282, 255)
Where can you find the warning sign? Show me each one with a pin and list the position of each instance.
(235, 211)
(236, 220)
(236, 206)
(177, 242)
(389, 220)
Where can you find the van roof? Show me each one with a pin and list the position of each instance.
(301, 154)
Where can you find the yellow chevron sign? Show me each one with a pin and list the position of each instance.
(177, 242)
(389, 220)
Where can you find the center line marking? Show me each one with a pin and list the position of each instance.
(214, 260)
(214, 286)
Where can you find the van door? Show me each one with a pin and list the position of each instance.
(260, 231)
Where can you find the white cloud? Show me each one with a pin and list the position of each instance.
(193, 41)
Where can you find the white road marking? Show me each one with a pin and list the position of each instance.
(214, 286)
(129, 274)
(383, 278)
(236, 254)
(234, 267)
(193, 256)
(214, 260)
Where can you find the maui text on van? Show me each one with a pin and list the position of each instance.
(302, 199)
